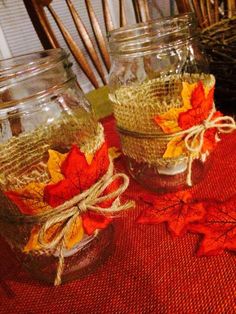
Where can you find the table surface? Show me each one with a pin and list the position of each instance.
(149, 271)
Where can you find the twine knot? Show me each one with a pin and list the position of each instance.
(194, 140)
(82, 206)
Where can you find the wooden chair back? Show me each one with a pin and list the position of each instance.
(37, 12)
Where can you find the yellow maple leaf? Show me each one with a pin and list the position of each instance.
(54, 165)
(114, 152)
(89, 158)
(33, 243)
(73, 235)
(175, 148)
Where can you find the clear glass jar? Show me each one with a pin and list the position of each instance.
(44, 117)
(151, 64)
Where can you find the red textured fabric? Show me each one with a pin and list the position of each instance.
(149, 271)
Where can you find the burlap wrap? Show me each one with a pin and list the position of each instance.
(23, 160)
(135, 107)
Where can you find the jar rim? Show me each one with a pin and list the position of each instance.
(144, 37)
(15, 66)
(13, 105)
(33, 76)
(158, 21)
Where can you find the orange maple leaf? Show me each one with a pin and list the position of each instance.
(54, 165)
(177, 209)
(201, 104)
(168, 121)
(70, 174)
(72, 237)
(29, 199)
(197, 105)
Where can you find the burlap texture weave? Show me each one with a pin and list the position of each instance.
(23, 160)
(149, 271)
(135, 107)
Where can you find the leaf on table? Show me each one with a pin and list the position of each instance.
(93, 221)
(219, 228)
(177, 209)
(29, 199)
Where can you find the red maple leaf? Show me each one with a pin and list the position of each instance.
(79, 175)
(219, 228)
(177, 209)
(209, 142)
(201, 107)
(92, 221)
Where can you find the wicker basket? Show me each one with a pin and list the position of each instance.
(219, 42)
(217, 22)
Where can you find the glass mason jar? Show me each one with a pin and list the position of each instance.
(52, 149)
(156, 69)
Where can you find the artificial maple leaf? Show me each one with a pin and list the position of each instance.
(74, 234)
(209, 140)
(110, 189)
(114, 152)
(78, 175)
(218, 228)
(198, 103)
(178, 209)
(168, 121)
(93, 221)
(33, 243)
(175, 148)
(201, 104)
(29, 199)
(54, 163)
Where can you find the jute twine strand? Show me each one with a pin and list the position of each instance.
(224, 124)
(69, 211)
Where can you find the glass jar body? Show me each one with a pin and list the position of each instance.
(153, 65)
(46, 124)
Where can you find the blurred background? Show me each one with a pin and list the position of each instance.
(18, 36)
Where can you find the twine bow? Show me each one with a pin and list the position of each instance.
(224, 124)
(195, 134)
(69, 211)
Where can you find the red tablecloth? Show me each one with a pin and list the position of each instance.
(149, 272)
